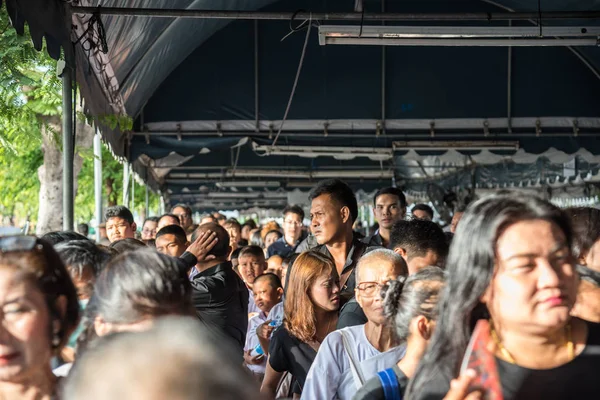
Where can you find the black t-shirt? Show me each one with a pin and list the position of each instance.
(373, 390)
(288, 353)
(577, 379)
(351, 314)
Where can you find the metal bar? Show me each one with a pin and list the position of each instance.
(125, 184)
(98, 181)
(509, 88)
(68, 148)
(147, 202)
(340, 16)
(447, 32)
(383, 77)
(132, 207)
(256, 82)
(460, 42)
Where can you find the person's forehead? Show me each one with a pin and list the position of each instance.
(179, 210)
(387, 198)
(167, 238)
(263, 284)
(376, 267)
(322, 201)
(116, 220)
(249, 257)
(291, 215)
(150, 223)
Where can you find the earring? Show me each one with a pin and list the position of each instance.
(55, 341)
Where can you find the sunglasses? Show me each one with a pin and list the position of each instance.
(10, 244)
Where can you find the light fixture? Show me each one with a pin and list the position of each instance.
(456, 145)
(232, 184)
(458, 35)
(337, 152)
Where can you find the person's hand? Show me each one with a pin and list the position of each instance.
(67, 354)
(459, 387)
(202, 245)
(253, 360)
(264, 330)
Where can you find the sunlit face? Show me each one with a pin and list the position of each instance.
(292, 226)
(265, 295)
(25, 346)
(534, 287)
(185, 219)
(170, 245)
(325, 292)
(327, 219)
(149, 230)
(370, 279)
(455, 220)
(416, 263)
(166, 221)
(118, 228)
(235, 234)
(388, 210)
(250, 266)
(274, 265)
(270, 239)
(246, 232)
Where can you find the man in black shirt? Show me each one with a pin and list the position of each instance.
(389, 206)
(420, 242)
(218, 294)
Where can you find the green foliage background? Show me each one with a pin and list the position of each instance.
(30, 90)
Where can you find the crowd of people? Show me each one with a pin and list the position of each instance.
(228, 310)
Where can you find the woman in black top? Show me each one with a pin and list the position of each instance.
(511, 262)
(310, 308)
(410, 305)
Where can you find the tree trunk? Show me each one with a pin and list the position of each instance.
(50, 213)
(110, 191)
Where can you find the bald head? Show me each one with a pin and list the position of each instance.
(222, 248)
(380, 262)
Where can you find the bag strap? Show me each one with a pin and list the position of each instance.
(359, 380)
(391, 388)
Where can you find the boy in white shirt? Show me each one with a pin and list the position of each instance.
(267, 297)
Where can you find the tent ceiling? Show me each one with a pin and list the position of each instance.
(208, 96)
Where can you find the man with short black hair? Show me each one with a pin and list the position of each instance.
(422, 211)
(172, 241)
(421, 243)
(333, 212)
(166, 220)
(389, 207)
(292, 232)
(119, 223)
(219, 296)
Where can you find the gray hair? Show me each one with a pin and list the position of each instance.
(174, 360)
(382, 255)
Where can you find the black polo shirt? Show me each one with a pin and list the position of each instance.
(220, 298)
(282, 248)
(374, 240)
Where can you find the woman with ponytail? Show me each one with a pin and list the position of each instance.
(410, 306)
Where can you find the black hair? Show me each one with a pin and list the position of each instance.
(80, 254)
(174, 230)
(295, 210)
(152, 219)
(256, 240)
(340, 192)
(187, 209)
(276, 231)
(422, 207)
(417, 237)
(408, 297)
(252, 251)
(135, 285)
(236, 253)
(586, 229)
(393, 191)
(83, 229)
(62, 236)
(273, 279)
(119, 212)
(470, 267)
(126, 245)
(175, 217)
(250, 223)
(234, 223)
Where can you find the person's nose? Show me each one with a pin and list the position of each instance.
(548, 276)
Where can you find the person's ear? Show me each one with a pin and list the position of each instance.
(581, 260)
(358, 297)
(279, 293)
(102, 327)
(487, 296)
(187, 244)
(424, 328)
(400, 251)
(345, 214)
(133, 226)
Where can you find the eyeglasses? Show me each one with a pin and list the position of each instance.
(19, 243)
(292, 223)
(370, 288)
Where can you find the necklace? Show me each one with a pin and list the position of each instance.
(506, 354)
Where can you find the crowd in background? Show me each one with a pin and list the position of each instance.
(218, 309)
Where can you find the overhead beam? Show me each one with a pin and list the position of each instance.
(251, 173)
(325, 16)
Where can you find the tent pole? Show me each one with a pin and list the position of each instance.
(68, 148)
(256, 81)
(509, 88)
(98, 181)
(125, 184)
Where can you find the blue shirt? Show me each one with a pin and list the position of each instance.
(281, 248)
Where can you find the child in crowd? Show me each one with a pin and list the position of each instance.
(274, 265)
(251, 264)
(267, 296)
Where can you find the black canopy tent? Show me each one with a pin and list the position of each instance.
(208, 97)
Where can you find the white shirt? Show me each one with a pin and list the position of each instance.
(276, 314)
(252, 307)
(331, 377)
